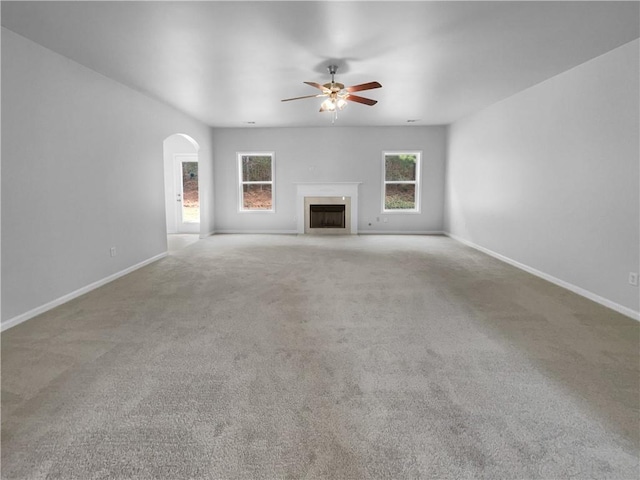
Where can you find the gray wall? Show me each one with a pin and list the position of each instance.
(549, 177)
(82, 171)
(331, 154)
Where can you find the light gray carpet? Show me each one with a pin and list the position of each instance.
(337, 357)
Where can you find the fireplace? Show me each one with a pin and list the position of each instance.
(327, 208)
(326, 216)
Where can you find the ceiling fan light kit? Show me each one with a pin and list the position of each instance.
(338, 95)
(331, 104)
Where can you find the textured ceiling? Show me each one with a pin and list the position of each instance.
(229, 63)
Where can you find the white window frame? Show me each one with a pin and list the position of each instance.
(416, 182)
(241, 182)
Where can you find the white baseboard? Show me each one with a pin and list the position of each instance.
(81, 291)
(258, 232)
(400, 232)
(550, 278)
(360, 232)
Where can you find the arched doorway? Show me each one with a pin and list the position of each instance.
(181, 184)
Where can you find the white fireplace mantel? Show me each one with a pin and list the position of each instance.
(336, 189)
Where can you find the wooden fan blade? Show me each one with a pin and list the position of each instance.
(306, 96)
(357, 99)
(363, 86)
(317, 85)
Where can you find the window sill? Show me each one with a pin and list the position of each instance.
(395, 212)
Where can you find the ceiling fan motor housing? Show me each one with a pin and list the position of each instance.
(333, 86)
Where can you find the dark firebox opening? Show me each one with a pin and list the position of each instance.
(327, 216)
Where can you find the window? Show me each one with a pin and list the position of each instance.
(256, 182)
(401, 184)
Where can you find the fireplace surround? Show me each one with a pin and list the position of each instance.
(329, 197)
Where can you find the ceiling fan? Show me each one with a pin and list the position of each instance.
(337, 94)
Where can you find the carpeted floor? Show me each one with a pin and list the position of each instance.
(265, 357)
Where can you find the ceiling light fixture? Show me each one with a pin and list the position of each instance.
(329, 104)
(332, 104)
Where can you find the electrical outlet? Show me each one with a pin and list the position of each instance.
(633, 279)
(385, 219)
(113, 251)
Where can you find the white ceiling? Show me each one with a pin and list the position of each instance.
(229, 63)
